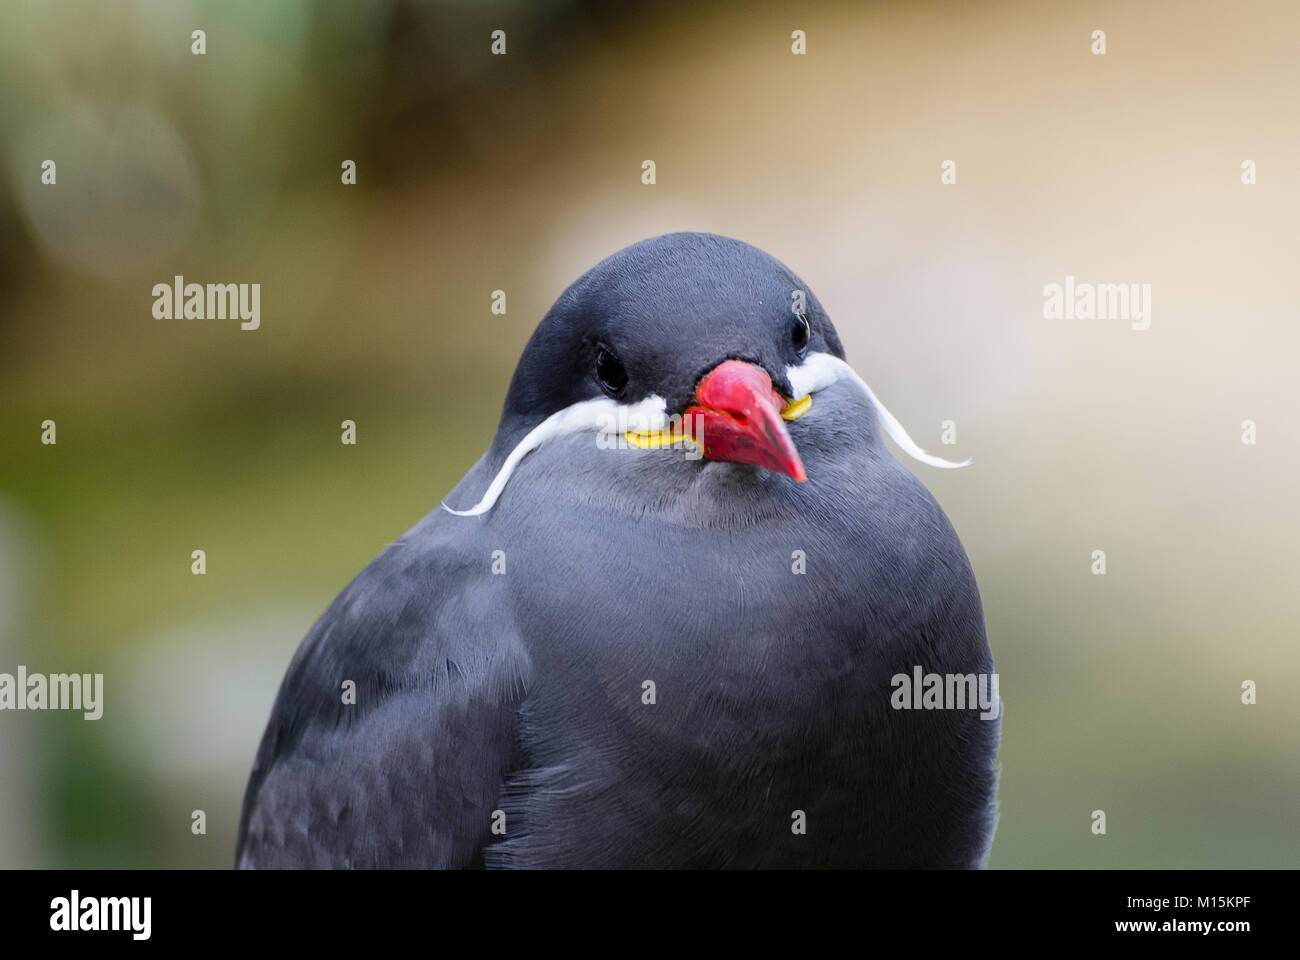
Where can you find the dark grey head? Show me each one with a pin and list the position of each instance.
(664, 312)
(710, 343)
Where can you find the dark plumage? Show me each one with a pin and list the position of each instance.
(523, 692)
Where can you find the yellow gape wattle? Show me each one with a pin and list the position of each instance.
(653, 439)
(797, 408)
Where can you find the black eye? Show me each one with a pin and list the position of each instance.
(610, 372)
(800, 333)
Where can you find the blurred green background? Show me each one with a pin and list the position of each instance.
(478, 172)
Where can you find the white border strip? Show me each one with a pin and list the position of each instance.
(595, 414)
(822, 369)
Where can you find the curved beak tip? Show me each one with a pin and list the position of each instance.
(738, 418)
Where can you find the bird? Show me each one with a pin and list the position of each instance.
(658, 624)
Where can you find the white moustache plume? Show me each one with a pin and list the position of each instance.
(820, 370)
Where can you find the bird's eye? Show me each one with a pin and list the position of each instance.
(610, 372)
(800, 333)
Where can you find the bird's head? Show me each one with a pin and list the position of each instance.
(688, 339)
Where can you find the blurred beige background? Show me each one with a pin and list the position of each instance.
(478, 173)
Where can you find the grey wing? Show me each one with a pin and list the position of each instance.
(407, 775)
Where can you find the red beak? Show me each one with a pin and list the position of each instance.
(738, 418)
